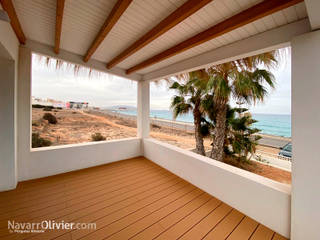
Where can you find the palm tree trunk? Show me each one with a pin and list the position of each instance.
(197, 132)
(217, 151)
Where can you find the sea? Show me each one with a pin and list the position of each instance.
(272, 124)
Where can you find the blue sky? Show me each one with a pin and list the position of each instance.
(106, 90)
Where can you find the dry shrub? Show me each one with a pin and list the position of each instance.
(51, 118)
(97, 137)
(38, 141)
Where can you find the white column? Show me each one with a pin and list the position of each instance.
(305, 204)
(9, 51)
(24, 108)
(8, 158)
(143, 122)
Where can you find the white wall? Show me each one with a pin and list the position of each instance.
(305, 136)
(9, 40)
(9, 48)
(48, 161)
(260, 198)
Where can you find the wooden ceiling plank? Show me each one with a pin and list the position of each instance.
(7, 5)
(180, 14)
(249, 15)
(59, 16)
(111, 20)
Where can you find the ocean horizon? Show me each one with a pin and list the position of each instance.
(272, 124)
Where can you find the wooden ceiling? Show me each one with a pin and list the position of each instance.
(165, 25)
(143, 36)
(111, 20)
(247, 16)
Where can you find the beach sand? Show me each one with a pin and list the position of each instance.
(77, 127)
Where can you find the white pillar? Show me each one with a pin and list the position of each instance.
(143, 122)
(305, 204)
(24, 108)
(9, 51)
(8, 158)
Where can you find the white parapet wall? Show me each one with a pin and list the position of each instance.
(262, 199)
(47, 161)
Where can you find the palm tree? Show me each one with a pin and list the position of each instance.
(188, 99)
(240, 135)
(242, 80)
(240, 138)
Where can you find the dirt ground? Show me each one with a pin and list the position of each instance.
(77, 127)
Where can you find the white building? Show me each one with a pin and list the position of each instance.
(157, 40)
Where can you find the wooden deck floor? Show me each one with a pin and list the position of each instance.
(131, 199)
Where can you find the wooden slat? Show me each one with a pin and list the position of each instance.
(80, 195)
(111, 20)
(226, 226)
(112, 208)
(100, 182)
(180, 14)
(96, 202)
(203, 228)
(133, 199)
(59, 16)
(102, 206)
(113, 223)
(177, 230)
(245, 229)
(71, 186)
(254, 13)
(159, 216)
(113, 213)
(278, 237)
(7, 5)
(262, 233)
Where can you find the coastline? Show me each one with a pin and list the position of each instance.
(267, 139)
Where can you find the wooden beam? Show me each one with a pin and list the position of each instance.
(180, 14)
(254, 13)
(111, 20)
(7, 5)
(272, 39)
(59, 16)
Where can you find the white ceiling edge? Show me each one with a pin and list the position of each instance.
(270, 40)
(313, 7)
(70, 57)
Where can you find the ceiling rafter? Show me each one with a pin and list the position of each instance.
(111, 20)
(59, 16)
(7, 5)
(180, 14)
(249, 15)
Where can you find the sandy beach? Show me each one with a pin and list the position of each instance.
(77, 127)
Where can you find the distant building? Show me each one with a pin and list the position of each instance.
(48, 102)
(77, 105)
